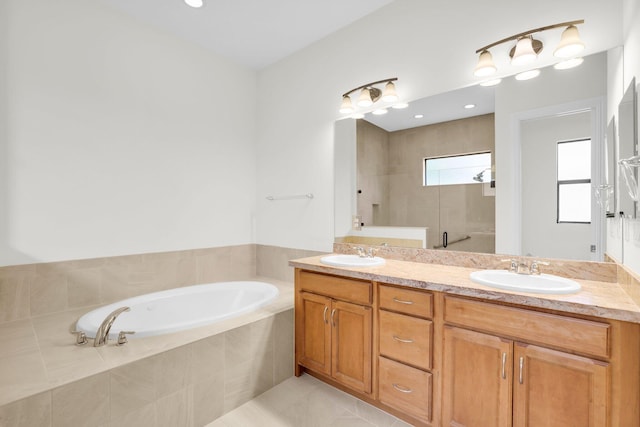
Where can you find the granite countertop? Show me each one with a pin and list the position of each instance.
(600, 299)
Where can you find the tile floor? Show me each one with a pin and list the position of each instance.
(306, 402)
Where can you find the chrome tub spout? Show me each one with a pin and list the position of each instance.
(102, 334)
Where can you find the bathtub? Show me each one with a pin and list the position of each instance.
(178, 309)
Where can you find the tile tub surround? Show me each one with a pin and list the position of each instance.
(39, 289)
(188, 378)
(597, 298)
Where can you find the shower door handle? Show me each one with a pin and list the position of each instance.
(445, 239)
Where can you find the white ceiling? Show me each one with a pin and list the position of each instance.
(255, 33)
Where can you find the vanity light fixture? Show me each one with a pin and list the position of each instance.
(528, 75)
(569, 63)
(195, 3)
(370, 94)
(489, 83)
(527, 48)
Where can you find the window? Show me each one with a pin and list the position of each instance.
(574, 181)
(470, 168)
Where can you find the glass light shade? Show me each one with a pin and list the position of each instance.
(489, 83)
(194, 3)
(485, 66)
(570, 43)
(389, 94)
(527, 75)
(364, 100)
(524, 53)
(346, 107)
(569, 63)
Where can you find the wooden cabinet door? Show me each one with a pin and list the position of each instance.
(351, 345)
(552, 388)
(477, 379)
(315, 334)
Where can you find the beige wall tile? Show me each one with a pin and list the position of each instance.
(14, 294)
(82, 403)
(173, 370)
(48, 293)
(208, 399)
(143, 417)
(213, 265)
(17, 338)
(283, 346)
(34, 411)
(83, 287)
(174, 409)
(207, 358)
(132, 387)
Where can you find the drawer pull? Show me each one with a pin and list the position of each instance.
(521, 368)
(402, 389)
(399, 301)
(504, 366)
(402, 340)
(324, 314)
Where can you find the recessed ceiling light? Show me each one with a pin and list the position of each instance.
(526, 75)
(491, 82)
(470, 106)
(357, 116)
(194, 3)
(400, 105)
(379, 111)
(569, 63)
(418, 116)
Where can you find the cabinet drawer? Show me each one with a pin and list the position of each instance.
(358, 291)
(406, 339)
(579, 335)
(405, 388)
(416, 303)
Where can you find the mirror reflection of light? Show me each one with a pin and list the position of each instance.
(470, 106)
(490, 83)
(418, 116)
(379, 111)
(527, 75)
(194, 3)
(400, 105)
(569, 63)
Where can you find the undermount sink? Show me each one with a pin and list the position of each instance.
(344, 260)
(534, 283)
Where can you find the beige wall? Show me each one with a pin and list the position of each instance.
(395, 161)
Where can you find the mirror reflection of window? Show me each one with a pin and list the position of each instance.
(574, 181)
(470, 168)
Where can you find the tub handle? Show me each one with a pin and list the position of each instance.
(122, 337)
(81, 337)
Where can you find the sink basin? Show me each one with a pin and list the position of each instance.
(539, 284)
(343, 260)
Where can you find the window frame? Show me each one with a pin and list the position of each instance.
(571, 181)
(444, 156)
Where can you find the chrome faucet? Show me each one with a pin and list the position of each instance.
(522, 267)
(102, 334)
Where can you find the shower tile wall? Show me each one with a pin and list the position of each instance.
(189, 386)
(390, 175)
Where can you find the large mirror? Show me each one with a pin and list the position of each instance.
(628, 137)
(527, 128)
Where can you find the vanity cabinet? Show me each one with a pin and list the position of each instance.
(499, 379)
(334, 328)
(405, 350)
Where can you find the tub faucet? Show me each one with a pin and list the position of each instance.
(102, 334)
